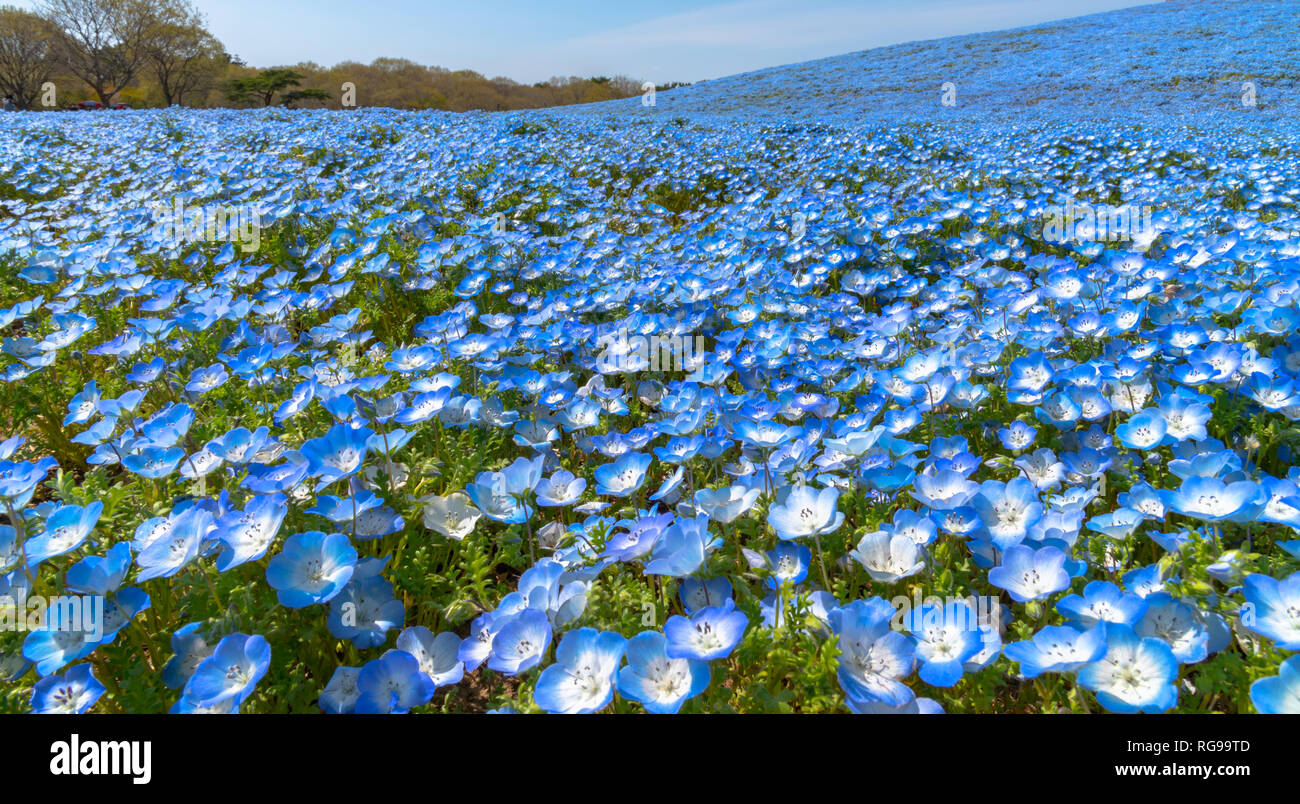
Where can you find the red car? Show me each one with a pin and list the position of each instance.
(94, 105)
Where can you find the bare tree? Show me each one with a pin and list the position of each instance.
(106, 42)
(26, 54)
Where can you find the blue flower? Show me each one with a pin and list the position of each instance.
(624, 476)
(873, 657)
(1057, 649)
(341, 693)
(72, 693)
(520, 642)
(65, 530)
(946, 637)
(338, 454)
(1029, 574)
(805, 511)
(1136, 675)
(230, 672)
(659, 683)
(246, 535)
(1271, 607)
(366, 609)
(1279, 694)
(1103, 601)
(190, 648)
(391, 685)
(311, 568)
(710, 633)
(582, 680)
(437, 655)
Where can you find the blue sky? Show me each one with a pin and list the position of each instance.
(664, 40)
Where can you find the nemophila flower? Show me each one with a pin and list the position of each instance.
(1279, 694)
(918, 527)
(1029, 574)
(475, 648)
(765, 435)
(889, 557)
(67, 633)
(365, 610)
(802, 511)
(1143, 431)
(1008, 510)
(423, 407)
(546, 586)
(1178, 625)
(284, 477)
(1118, 524)
(230, 672)
(560, 489)
(18, 479)
(697, 594)
(311, 568)
(1211, 499)
(207, 379)
(634, 539)
(341, 693)
(520, 642)
(437, 655)
(682, 548)
(241, 446)
(1042, 469)
(624, 476)
(1185, 417)
(726, 504)
(65, 530)
(1273, 608)
(582, 679)
(173, 542)
(1136, 675)
(189, 648)
(788, 562)
(947, 636)
(452, 515)
(82, 406)
(246, 535)
(337, 455)
(72, 693)
(1057, 649)
(944, 490)
(391, 685)
(873, 656)
(503, 495)
(710, 633)
(1102, 602)
(659, 683)
(154, 462)
(1017, 436)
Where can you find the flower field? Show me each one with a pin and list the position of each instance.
(630, 409)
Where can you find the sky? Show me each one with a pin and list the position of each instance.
(660, 41)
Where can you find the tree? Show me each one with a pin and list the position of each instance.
(106, 42)
(184, 57)
(264, 86)
(26, 54)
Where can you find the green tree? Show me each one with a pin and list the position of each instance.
(264, 86)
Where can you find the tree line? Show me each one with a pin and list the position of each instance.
(150, 53)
